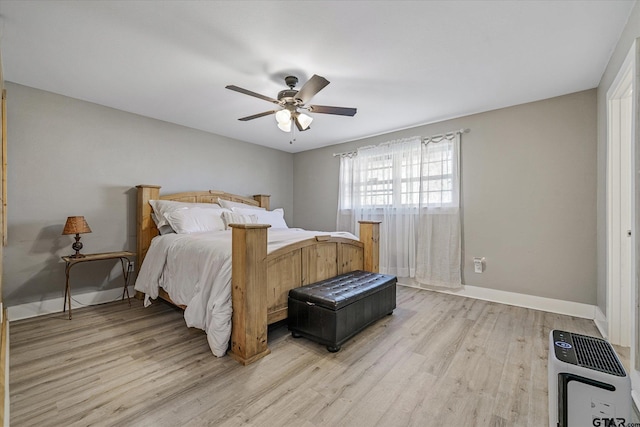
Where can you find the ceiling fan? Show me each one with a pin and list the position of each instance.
(292, 100)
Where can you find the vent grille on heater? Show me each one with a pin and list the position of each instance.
(597, 354)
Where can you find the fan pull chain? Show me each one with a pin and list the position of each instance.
(293, 132)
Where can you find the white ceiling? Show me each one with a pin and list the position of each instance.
(401, 63)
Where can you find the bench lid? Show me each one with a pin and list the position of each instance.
(342, 290)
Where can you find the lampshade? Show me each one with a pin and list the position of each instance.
(283, 116)
(304, 120)
(285, 126)
(76, 225)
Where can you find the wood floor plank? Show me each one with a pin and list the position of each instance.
(438, 360)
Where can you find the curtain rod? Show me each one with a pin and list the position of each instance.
(444, 135)
(425, 139)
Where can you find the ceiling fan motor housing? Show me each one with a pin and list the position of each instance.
(287, 96)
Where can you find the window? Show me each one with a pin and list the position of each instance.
(411, 187)
(409, 175)
(437, 177)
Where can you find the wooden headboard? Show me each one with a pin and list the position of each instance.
(146, 227)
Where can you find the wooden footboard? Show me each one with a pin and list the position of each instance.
(260, 281)
(308, 262)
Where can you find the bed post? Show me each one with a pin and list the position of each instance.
(370, 237)
(145, 228)
(263, 200)
(249, 292)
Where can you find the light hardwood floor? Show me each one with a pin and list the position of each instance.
(439, 360)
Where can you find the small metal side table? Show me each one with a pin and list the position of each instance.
(125, 261)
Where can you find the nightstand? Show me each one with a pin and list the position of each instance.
(125, 261)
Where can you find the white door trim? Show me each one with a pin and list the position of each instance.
(620, 203)
(629, 69)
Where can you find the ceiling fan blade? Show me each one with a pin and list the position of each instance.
(255, 116)
(314, 85)
(250, 93)
(340, 111)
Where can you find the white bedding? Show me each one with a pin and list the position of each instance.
(195, 270)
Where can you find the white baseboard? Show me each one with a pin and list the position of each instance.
(32, 309)
(551, 305)
(569, 308)
(602, 323)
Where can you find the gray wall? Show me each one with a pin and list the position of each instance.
(529, 180)
(629, 34)
(69, 157)
(528, 194)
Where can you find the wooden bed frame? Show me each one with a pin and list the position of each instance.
(261, 282)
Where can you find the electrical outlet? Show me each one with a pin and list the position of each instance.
(478, 264)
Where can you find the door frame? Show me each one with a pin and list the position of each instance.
(628, 68)
(620, 203)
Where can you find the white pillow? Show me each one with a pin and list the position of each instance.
(163, 229)
(163, 207)
(195, 220)
(274, 218)
(236, 218)
(230, 205)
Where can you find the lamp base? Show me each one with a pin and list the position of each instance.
(77, 255)
(77, 246)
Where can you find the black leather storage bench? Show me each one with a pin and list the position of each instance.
(334, 310)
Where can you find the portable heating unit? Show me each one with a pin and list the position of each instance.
(588, 385)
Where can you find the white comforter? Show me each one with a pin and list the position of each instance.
(195, 270)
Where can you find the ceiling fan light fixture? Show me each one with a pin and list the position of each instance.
(285, 126)
(304, 120)
(283, 117)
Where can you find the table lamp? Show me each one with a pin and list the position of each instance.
(76, 225)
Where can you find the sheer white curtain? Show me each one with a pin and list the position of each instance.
(376, 184)
(439, 248)
(413, 188)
